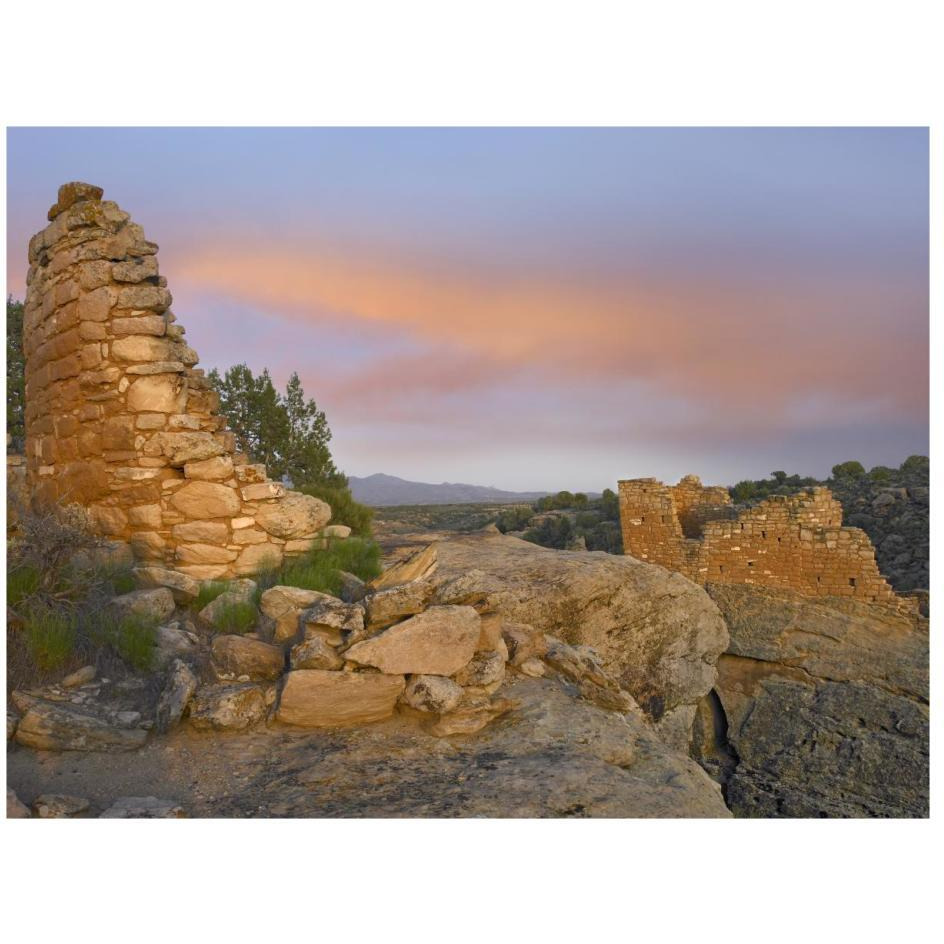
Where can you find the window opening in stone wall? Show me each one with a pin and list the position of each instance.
(852, 581)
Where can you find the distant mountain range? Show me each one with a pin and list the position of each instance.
(380, 490)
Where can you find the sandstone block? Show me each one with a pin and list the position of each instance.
(318, 699)
(54, 726)
(178, 689)
(472, 716)
(183, 588)
(161, 393)
(239, 655)
(295, 516)
(144, 808)
(331, 618)
(79, 677)
(387, 606)
(206, 500)
(143, 324)
(16, 808)
(523, 642)
(440, 641)
(218, 468)
(315, 653)
(262, 491)
(433, 693)
(256, 558)
(227, 707)
(201, 532)
(155, 604)
(95, 306)
(135, 270)
(145, 297)
(181, 448)
(336, 531)
(250, 536)
(249, 473)
(486, 668)
(145, 516)
(415, 567)
(204, 554)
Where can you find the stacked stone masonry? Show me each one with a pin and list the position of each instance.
(120, 421)
(794, 542)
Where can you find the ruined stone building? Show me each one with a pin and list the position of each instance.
(119, 419)
(794, 542)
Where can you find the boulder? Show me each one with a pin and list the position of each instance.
(353, 589)
(388, 606)
(533, 668)
(332, 618)
(433, 693)
(238, 656)
(172, 642)
(318, 699)
(227, 707)
(339, 531)
(491, 634)
(440, 641)
(143, 808)
(284, 605)
(658, 633)
(153, 605)
(54, 726)
(16, 808)
(79, 677)
(472, 714)
(523, 642)
(486, 668)
(294, 516)
(417, 566)
(315, 653)
(820, 708)
(183, 588)
(178, 689)
(58, 806)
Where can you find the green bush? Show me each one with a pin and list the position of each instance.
(320, 569)
(344, 510)
(209, 591)
(849, 470)
(916, 464)
(22, 583)
(134, 639)
(881, 474)
(514, 518)
(236, 618)
(551, 532)
(744, 491)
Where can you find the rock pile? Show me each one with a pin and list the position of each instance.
(316, 661)
(120, 421)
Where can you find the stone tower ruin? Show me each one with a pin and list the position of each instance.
(120, 421)
(795, 542)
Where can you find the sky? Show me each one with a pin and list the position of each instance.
(540, 308)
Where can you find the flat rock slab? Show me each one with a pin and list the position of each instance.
(143, 808)
(440, 641)
(321, 699)
(47, 726)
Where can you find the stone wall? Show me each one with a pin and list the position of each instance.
(796, 542)
(120, 421)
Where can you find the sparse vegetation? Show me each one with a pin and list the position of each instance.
(320, 570)
(59, 582)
